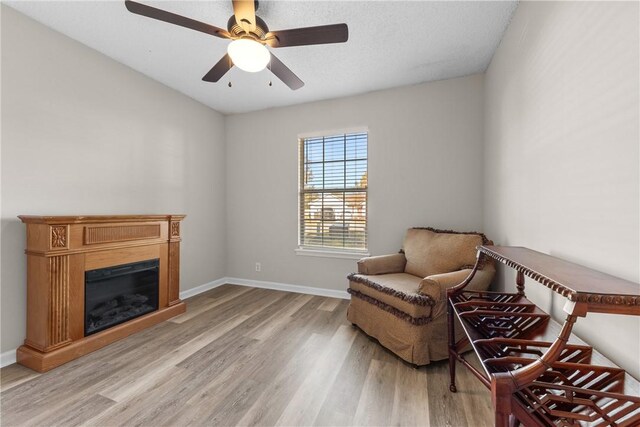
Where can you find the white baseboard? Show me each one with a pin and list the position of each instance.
(202, 288)
(8, 358)
(299, 289)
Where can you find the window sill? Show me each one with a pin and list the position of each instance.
(327, 253)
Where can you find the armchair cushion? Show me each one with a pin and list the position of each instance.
(382, 264)
(430, 251)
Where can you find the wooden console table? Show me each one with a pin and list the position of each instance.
(539, 373)
(61, 249)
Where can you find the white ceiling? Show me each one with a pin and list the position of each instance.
(391, 43)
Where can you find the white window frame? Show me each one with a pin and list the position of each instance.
(322, 251)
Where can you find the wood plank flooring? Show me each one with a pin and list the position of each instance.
(247, 357)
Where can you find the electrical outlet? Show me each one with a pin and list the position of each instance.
(258, 266)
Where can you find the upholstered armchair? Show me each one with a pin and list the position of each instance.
(400, 299)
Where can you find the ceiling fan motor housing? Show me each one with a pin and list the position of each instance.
(237, 31)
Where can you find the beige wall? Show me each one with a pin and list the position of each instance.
(425, 169)
(562, 158)
(82, 134)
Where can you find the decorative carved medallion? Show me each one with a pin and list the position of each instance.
(58, 236)
(175, 229)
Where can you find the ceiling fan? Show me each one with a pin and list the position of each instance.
(250, 36)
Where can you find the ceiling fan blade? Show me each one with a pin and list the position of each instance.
(245, 12)
(172, 18)
(336, 33)
(219, 69)
(284, 73)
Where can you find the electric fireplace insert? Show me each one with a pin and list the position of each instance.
(114, 295)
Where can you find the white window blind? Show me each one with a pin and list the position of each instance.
(333, 192)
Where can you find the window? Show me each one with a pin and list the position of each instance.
(333, 192)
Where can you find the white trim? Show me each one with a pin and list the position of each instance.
(188, 293)
(8, 358)
(299, 289)
(333, 132)
(326, 253)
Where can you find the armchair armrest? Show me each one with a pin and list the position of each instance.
(436, 285)
(382, 264)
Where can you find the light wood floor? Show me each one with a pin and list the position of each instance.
(244, 356)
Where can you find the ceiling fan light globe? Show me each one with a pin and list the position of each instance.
(248, 55)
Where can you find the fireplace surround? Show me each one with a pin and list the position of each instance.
(69, 256)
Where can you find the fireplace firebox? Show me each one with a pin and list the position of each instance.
(116, 294)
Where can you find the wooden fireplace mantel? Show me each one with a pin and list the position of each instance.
(60, 249)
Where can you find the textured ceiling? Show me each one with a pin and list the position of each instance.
(391, 43)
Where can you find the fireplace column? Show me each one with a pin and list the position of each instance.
(50, 329)
(174, 262)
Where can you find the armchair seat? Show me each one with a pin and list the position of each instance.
(397, 290)
(400, 299)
